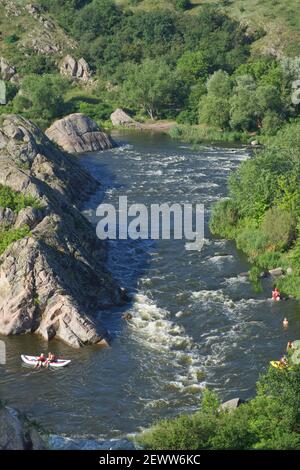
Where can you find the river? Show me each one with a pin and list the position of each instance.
(196, 319)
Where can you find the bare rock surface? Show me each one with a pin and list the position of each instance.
(7, 71)
(120, 118)
(52, 282)
(17, 432)
(78, 133)
(75, 69)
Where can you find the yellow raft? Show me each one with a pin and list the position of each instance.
(278, 365)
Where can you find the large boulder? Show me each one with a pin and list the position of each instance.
(232, 404)
(75, 69)
(78, 133)
(120, 118)
(17, 432)
(54, 281)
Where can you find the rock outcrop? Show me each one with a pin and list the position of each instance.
(120, 118)
(17, 432)
(78, 133)
(52, 282)
(7, 71)
(75, 69)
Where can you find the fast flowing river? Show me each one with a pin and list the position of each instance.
(196, 319)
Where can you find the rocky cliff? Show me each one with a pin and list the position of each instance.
(17, 432)
(54, 280)
(78, 133)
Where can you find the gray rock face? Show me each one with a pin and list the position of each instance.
(74, 69)
(276, 272)
(17, 433)
(78, 133)
(232, 404)
(7, 71)
(53, 281)
(7, 217)
(120, 118)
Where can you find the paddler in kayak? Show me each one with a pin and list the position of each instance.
(41, 361)
(51, 358)
(276, 294)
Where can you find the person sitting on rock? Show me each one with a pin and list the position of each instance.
(276, 294)
(41, 361)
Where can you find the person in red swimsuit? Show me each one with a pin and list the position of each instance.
(276, 294)
(40, 361)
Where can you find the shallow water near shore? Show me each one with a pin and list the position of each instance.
(196, 318)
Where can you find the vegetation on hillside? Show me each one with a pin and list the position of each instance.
(262, 212)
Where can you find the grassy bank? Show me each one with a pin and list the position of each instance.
(204, 134)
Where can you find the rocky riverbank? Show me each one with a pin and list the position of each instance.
(54, 279)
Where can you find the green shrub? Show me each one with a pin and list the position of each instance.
(279, 226)
(251, 240)
(15, 200)
(7, 237)
(224, 219)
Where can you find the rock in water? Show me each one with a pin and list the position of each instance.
(54, 280)
(78, 133)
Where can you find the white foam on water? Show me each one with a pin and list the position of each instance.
(152, 326)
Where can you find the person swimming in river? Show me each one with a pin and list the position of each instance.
(276, 294)
(285, 323)
(41, 361)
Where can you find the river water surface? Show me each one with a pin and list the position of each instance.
(196, 319)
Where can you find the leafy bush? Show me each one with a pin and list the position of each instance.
(7, 237)
(224, 219)
(251, 240)
(279, 226)
(16, 201)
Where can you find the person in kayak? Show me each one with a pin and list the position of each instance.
(41, 360)
(283, 362)
(51, 358)
(276, 294)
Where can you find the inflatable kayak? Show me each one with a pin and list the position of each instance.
(32, 361)
(278, 365)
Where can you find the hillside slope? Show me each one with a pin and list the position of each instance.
(279, 19)
(25, 32)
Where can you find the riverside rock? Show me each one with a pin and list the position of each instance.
(120, 118)
(53, 282)
(18, 433)
(78, 133)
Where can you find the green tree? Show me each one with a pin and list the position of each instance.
(41, 96)
(150, 86)
(192, 66)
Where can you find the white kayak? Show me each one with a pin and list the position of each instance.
(32, 361)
